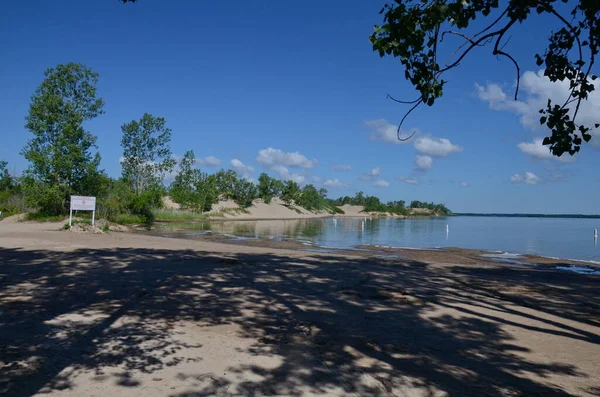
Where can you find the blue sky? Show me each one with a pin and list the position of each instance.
(294, 89)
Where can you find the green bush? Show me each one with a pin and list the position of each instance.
(337, 210)
(11, 203)
(41, 217)
(244, 193)
(48, 200)
(129, 219)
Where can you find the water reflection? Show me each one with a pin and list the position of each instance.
(563, 238)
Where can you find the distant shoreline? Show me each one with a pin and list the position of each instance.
(566, 216)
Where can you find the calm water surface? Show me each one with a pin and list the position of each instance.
(561, 238)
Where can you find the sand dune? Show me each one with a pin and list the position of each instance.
(276, 209)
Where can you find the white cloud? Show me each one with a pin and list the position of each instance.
(286, 175)
(369, 176)
(516, 178)
(381, 183)
(436, 147)
(210, 161)
(342, 167)
(383, 131)
(423, 162)
(537, 150)
(464, 184)
(529, 178)
(317, 179)
(406, 179)
(242, 169)
(270, 157)
(335, 183)
(535, 90)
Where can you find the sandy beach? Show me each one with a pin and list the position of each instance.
(124, 314)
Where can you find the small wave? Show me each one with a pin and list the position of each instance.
(502, 255)
(208, 233)
(579, 269)
(234, 237)
(415, 248)
(329, 251)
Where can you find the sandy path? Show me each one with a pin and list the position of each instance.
(133, 315)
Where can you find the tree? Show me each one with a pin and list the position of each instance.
(146, 152)
(183, 188)
(269, 187)
(312, 199)
(225, 182)
(264, 188)
(244, 192)
(60, 153)
(414, 30)
(291, 192)
(192, 188)
(6, 180)
(206, 190)
(359, 199)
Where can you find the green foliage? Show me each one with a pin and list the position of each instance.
(313, 199)
(146, 152)
(268, 188)
(41, 217)
(6, 180)
(177, 215)
(129, 219)
(117, 202)
(11, 195)
(230, 211)
(336, 210)
(225, 182)
(183, 189)
(193, 189)
(397, 207)
(114, 199)
(60, 155)
(244, 192)
(373, 204)
(438, 209)
(47, 199)
(413, 32)
(291, 192)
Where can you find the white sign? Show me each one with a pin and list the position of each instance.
(82, 203)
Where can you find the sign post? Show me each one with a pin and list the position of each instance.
(82, 203)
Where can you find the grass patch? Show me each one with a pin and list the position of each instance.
(129, 219)
(230, 211)
(36, 216)
(177, 215)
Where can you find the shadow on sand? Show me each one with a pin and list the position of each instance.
(363, 326)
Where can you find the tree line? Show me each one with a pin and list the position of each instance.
(374, 204)
(64, 161)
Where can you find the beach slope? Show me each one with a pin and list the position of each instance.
(124, 314)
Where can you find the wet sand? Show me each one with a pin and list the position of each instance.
(129, 314)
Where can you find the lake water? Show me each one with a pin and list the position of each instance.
(561, 238)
